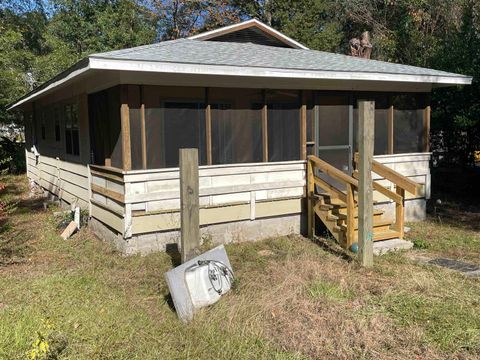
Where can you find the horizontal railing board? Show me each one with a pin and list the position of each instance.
(108, 207)
(165, 174)
(108, 217)
(76, 190)
(165, 195)
(74, 179)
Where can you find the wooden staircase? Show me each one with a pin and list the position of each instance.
(338, 209)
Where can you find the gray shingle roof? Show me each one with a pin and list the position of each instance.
(252, 55)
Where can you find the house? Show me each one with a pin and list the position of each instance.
(105, 133)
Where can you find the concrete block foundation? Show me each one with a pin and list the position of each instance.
(225, 233)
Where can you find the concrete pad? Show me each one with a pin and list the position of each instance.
(383, 247)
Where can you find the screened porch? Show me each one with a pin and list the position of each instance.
(135, 127)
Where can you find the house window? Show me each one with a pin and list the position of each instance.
(71, 130)
(56, 114)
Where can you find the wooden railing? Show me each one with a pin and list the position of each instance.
(347, 197)
(402, 184)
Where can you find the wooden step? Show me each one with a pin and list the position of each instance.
(377, 223)
(386, 235)
(342, 212)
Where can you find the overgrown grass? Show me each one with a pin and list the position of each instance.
(294, 300)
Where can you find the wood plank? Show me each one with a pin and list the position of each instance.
(390, 130)
(310, 202)
(366, 120)
(350, 216)
(189, 203)
(208, 126)
(75, 190)
(143, 134)
(426, 129)
(382, 190)
(333, 171)
(393, 176)
(108, 217)
(303, 127)
(107, 175)
(326, 186)
(108, 193)
(126, 141)
(264, 126)
(399, 213)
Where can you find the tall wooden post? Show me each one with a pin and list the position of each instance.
(366, 112)
(189, 203)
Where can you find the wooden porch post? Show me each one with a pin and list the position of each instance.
(143, 129)
(303, 126)
(426, 128)
(264, 126)
(125, 125)
(208, 126)
(366, 112)
(390, 130)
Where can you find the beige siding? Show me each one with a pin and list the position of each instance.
(66, 180)
(228, 193)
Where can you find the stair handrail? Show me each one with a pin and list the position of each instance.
(350, 182)
(402, 184)
(393, 176)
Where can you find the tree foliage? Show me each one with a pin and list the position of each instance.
(40, 38)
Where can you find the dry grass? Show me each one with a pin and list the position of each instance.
(294, 300)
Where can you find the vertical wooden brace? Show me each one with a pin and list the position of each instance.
(366, 111)
(143, 130)
(350, 216)
(426, 128)
(310, 193)
(399, 213)
(390, 130)
(303, 126)
(208, 126)
(264, 126)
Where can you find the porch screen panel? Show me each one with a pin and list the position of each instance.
(236, 125)
(134, 104)
(381, 123)
(184, 127)
(114, 125)
(408, 123)
(283, 125)
(333, 120)
(105, 130)
(174, 119)
(154, 137)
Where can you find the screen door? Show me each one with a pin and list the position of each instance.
(334, 132)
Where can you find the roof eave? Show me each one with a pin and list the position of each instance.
(229, 70)
(72, 72)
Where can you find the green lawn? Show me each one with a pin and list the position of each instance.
(294, 300)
